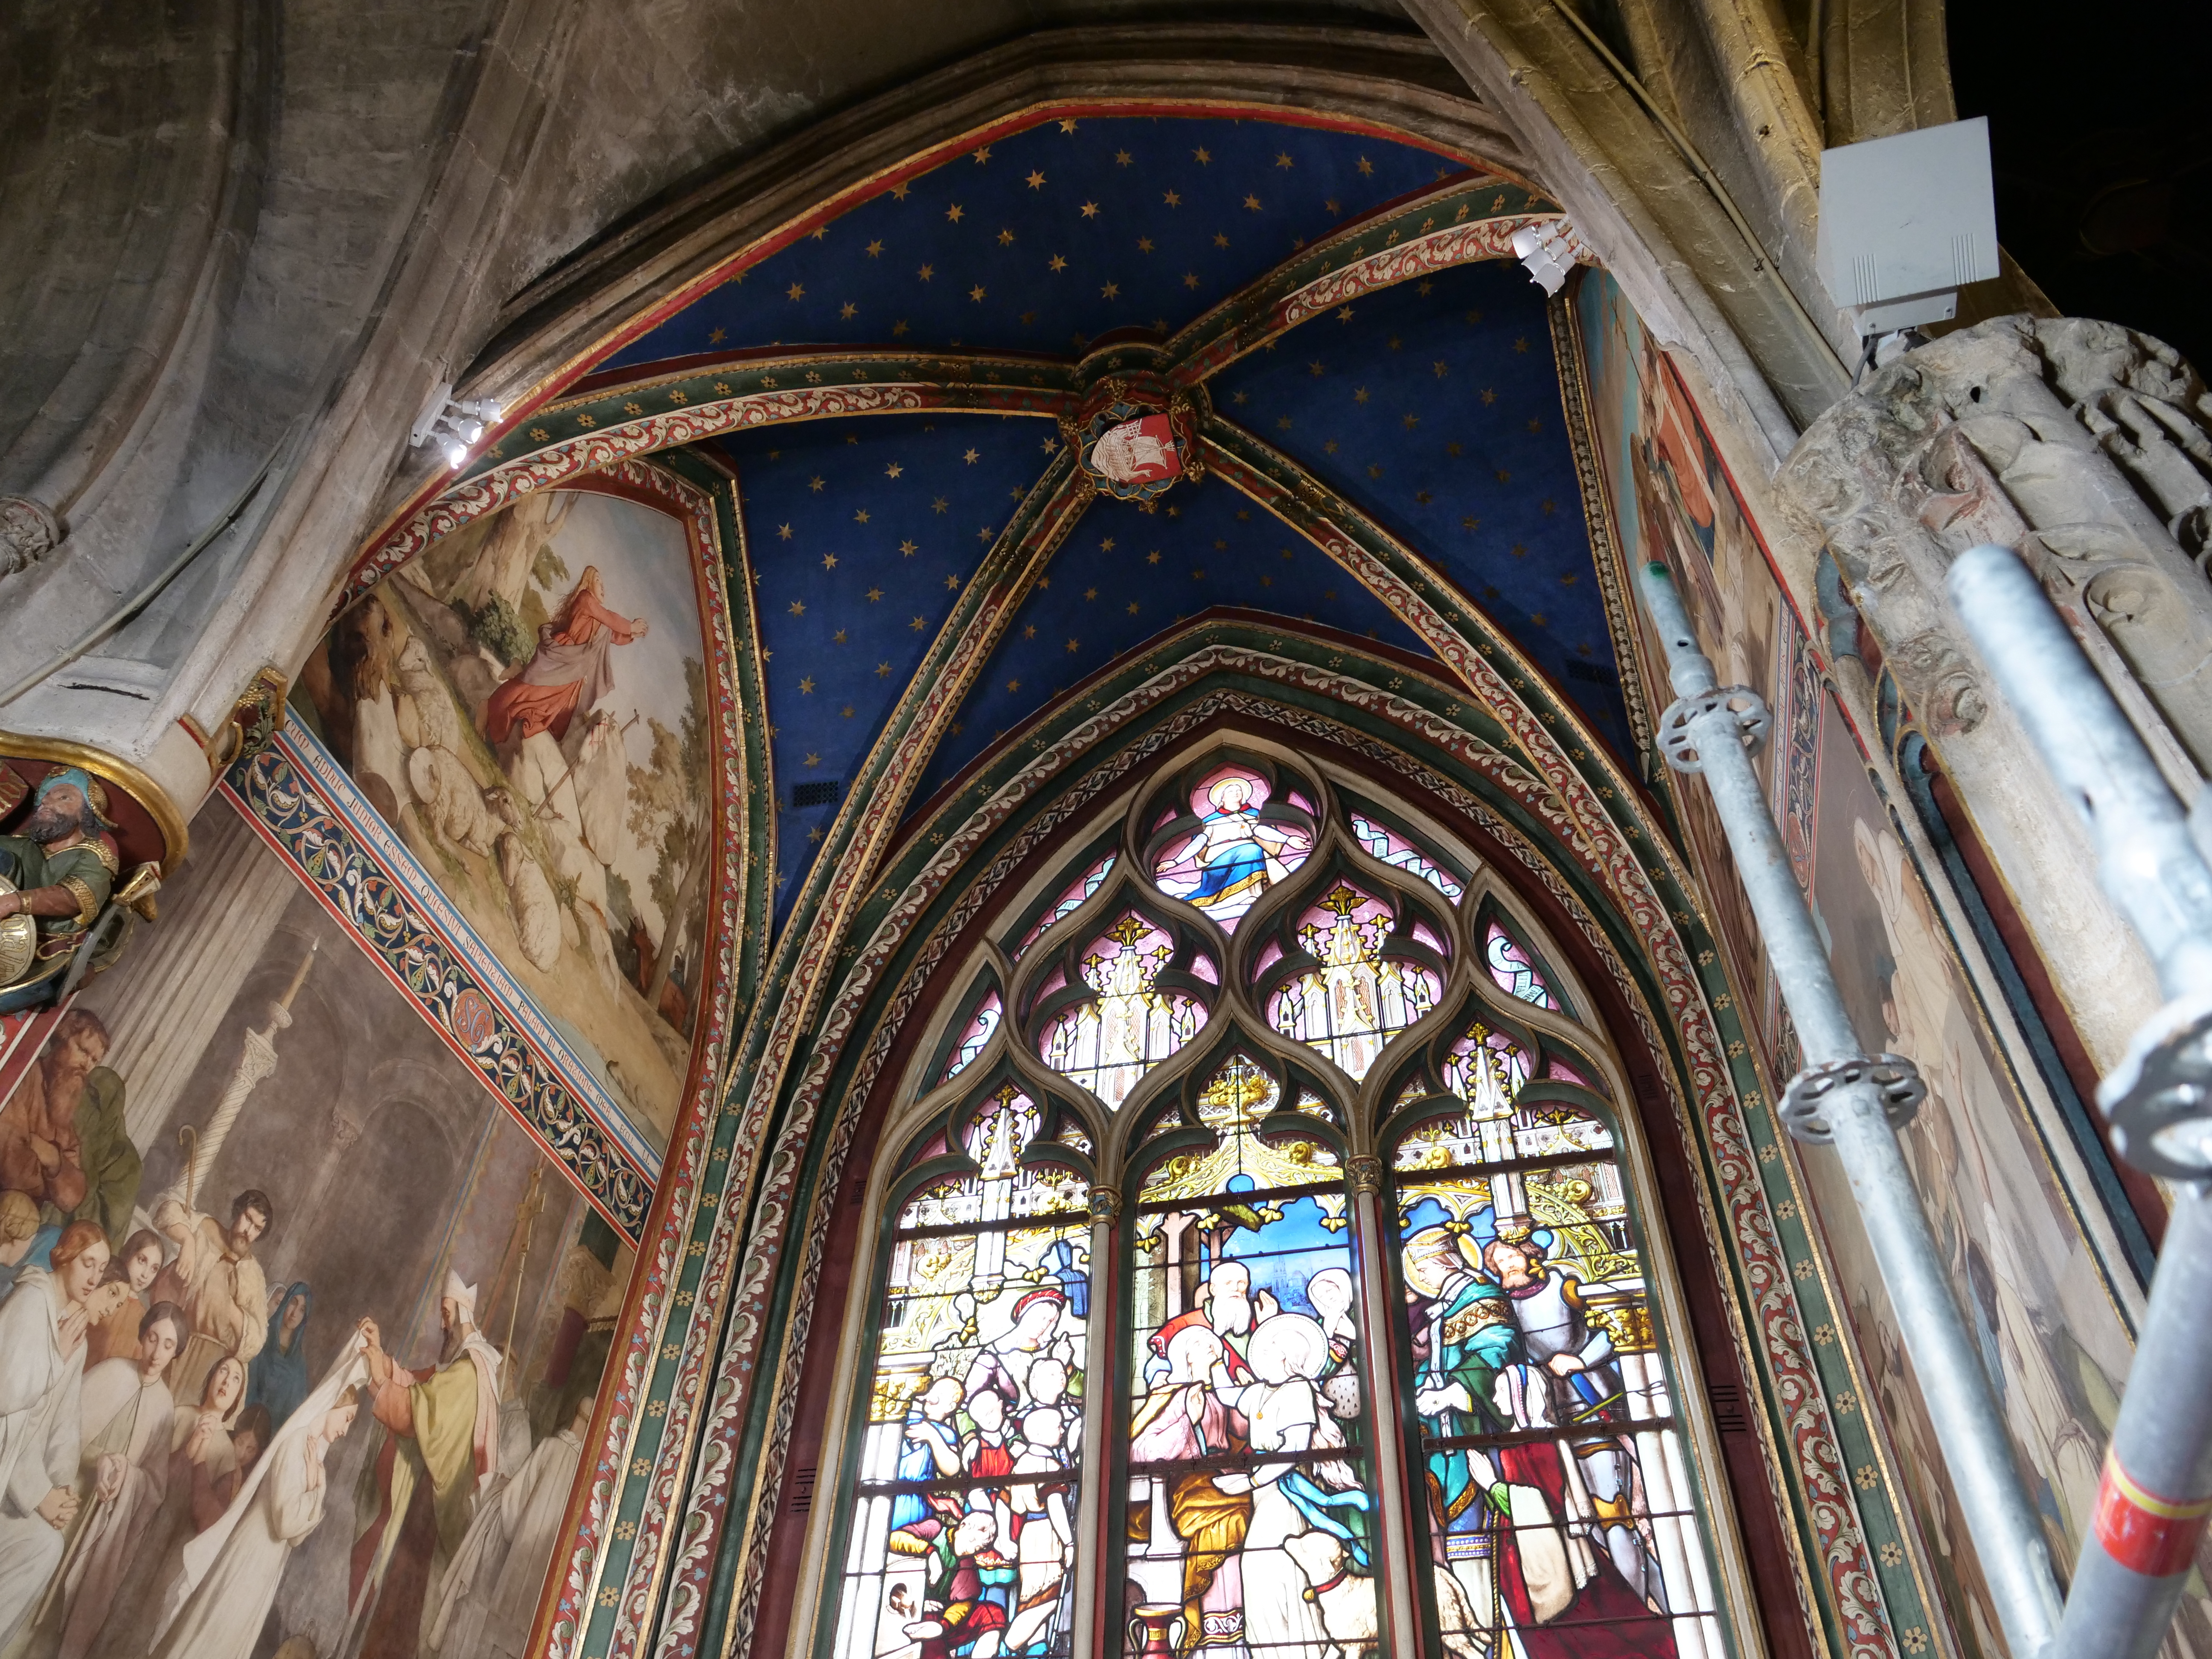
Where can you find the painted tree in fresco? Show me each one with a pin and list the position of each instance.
(671, 805)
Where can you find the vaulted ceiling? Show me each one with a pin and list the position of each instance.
(1328, 299)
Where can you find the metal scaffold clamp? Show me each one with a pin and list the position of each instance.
(2159, 1098)
(1897, 1084)
(1740, 702)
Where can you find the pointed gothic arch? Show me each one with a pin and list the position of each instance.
(1008, 842)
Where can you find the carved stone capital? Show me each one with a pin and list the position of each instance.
(1105, 1203)
(28, 532)
(1364, 1171)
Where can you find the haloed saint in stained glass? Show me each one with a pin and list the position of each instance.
(964, 1534)
(1360, 994)
(1516, 973)
(1108, 1041)
(1234, 854)
(1248, 1499)
(1558, 1495)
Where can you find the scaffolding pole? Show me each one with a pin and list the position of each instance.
(2156, 1487)
(1856, 1101)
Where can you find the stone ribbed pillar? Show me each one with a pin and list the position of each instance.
(167, 996)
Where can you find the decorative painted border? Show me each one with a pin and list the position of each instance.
(283, 792)
(1615, 579)
(1340, 268)
(1487, 238)
(343, 798)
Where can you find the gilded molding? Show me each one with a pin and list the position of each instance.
(120, 774)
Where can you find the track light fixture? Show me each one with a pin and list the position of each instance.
(456, 426)
(1549, 251)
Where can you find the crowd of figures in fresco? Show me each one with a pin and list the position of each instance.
(187, 1434)
(526, 706)
(1245, 1508)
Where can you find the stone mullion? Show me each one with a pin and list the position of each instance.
(1094, 1548)
(1395, 1571)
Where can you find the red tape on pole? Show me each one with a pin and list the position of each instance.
(2144, 1532)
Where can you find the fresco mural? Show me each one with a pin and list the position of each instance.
(299, 1329)
(527, 705)
(2010, 1233)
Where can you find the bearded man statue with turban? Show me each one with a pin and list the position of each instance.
(59, 860)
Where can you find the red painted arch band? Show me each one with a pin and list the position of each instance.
(2144, 1532)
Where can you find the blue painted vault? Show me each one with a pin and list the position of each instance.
(1429, 403)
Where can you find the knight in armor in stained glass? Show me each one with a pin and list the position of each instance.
(1569, 1377)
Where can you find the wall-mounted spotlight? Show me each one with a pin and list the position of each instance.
(456, 426)
(1549, 251)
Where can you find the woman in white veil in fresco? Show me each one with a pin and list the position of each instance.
(217, 1605)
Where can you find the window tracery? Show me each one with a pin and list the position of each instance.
(981, 1026)
(1121, 1013)
(1386, 845)
(1549, 1506)
(1070, 900)
(1234, 842)
(1361, 971)
(1510, 966)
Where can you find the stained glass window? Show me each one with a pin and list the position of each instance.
(1249, 1481)
(1550, 1511)
(1356, 995)
(1515, 973)
(1558, 1497)
(1126, 1024)
(962, 1538)
(1081, 888)
(1235, 852)
(1380, 841)
(980, 1024)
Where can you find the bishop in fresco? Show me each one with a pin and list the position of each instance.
(442, 1438)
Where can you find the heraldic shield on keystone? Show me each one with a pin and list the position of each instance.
(1134, 442)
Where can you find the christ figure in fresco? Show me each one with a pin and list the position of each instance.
(569, 673)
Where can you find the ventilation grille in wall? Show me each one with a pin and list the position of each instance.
(821, 793)
(1727, 1401)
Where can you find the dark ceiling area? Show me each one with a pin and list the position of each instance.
(2102, 144)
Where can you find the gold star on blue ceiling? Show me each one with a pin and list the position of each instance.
(861, 533)
(1434, 407)
(1125, 575)
(1054, 238)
